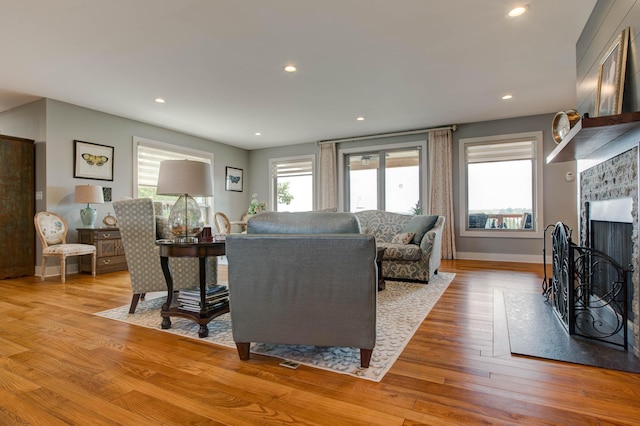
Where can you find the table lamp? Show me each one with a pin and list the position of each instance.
(88, 194)
(185, 178)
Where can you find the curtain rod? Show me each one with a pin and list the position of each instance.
(453, 127)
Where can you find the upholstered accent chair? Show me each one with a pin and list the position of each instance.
(303, 278)
(137, 223)
(410, 259)
(223, 225)
(52, 230)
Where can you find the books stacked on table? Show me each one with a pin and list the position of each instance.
(215, 297)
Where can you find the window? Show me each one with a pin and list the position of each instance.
(292, 184)
(385, 178)
(501, 191)
(147, 157)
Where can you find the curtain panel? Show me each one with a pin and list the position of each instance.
(440, 149)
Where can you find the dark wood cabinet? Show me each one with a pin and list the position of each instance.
(17, 207)
(110, 253)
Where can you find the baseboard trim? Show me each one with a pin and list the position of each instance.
(54, 271)
(502, 257)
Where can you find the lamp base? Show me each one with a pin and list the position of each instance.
(88, 216)
(185, 220)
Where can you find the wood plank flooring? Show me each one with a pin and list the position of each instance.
(60, 364)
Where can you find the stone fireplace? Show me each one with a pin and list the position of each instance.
(609, 218)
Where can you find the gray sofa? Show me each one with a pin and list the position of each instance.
(303, 278)
(415, 260)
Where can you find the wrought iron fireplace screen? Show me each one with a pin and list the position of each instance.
(588, 290)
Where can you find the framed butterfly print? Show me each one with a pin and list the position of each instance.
(233, 179)
(92, 161)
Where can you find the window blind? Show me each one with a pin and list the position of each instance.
(500, 151)
(149, 158)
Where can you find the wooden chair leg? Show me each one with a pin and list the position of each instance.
(93, 264)
(63, 268)
(365, 357)
(44, 263)
(134, 303)
(243, 350)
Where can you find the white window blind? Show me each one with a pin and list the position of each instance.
(150, 156)
(292, 168)
(500, 151)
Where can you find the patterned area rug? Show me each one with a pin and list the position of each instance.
(401, 309)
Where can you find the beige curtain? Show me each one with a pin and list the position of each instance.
(328, 176)
(440, 148)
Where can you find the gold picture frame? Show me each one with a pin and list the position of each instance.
(611, 73)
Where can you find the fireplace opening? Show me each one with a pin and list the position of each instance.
(614, 239)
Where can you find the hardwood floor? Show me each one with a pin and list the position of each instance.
(60, 364)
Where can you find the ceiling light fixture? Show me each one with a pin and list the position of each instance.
(507, 97)
(159, 100)
(290, 68)
(360, 118)
(258, 134)
(517, 11)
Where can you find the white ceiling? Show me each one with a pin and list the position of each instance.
(402, 64)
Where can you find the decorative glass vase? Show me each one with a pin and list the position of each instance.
(185, 220)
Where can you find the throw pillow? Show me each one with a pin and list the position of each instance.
(420, 225)
(403, 238)
(162, 228)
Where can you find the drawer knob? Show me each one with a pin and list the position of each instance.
(106, 235)
(106, 261)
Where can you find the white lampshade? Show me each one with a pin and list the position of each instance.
(179, 177)
(88, 194)
(185, 178)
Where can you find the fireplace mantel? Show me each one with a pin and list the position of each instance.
(598, 138)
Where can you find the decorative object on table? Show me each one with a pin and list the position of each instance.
(185, 178)
(233, 179)
(205, 236)
(88, 194)
(562, 124)
(92, 161)
(256, 206)
(52, 230)
(611, 75)
(109, 220)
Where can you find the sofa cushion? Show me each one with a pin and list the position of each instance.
(420, 225)
(401, 251)
(403, 238)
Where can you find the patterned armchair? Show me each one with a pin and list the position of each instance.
(413, 243)
(137, 223)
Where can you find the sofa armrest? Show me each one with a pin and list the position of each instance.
(431, 245)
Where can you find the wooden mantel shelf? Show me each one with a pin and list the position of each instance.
(599, 137)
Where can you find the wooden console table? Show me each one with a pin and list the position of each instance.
(201, 251)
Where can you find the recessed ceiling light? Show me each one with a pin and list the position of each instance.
(159, 100)
(507, 97)
(517, 11)
(360, 118)
(258, 134)
(290, 68)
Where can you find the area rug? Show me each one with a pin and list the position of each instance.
(535, 331)
(401, 309)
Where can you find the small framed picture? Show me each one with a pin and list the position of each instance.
(233, 179)
(92, 161)
(611, 77)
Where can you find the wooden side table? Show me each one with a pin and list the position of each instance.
(109, 250)
(201, 251)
